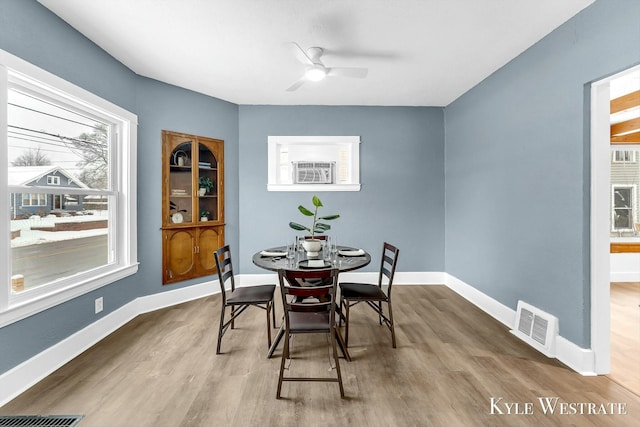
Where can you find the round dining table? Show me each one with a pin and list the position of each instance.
(345, 259)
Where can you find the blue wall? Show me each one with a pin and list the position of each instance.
(401, 172)
(32, 33)
(517, 168)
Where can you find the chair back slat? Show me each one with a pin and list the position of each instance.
(307, 291)
(310, 307)
(292, 285)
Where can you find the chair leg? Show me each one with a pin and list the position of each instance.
(268, 324)
(340, 317)
(273, 312)
(233, 315)
(392, 326)
(285, 355)
(380, 312)
(220, 330)
(346, 324)
(335, 358)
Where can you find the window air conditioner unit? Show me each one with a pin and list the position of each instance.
(305, 172)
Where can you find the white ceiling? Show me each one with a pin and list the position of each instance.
(418, 52)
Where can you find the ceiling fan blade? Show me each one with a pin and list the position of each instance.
(358, 73)
(296, 85)
(301, 54)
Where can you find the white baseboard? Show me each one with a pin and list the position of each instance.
(495, 309)
(624, 267)
(20, 378)
(577, 358)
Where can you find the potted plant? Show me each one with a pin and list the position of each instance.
(312, 246)
(205, 185)
(204, 215)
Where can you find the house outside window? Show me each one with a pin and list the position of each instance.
(625, 196)
(64, 146)
(34, 199)
(624, 156)
(623, 208)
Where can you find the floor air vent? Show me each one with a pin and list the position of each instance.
(537, 328)
(39, 420)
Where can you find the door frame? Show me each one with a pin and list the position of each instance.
(600, 221)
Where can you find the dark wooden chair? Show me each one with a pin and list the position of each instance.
(354, 293)
(309, 310)
(239, 299)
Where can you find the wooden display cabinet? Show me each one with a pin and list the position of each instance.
(192, 205)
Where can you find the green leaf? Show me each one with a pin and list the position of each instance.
(316, 202)
(320, 227)
(298, 227)
(329, 217)
(305, 211)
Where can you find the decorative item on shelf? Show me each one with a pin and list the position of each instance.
(204, 215)
(205, 183)
(180, 158)
(176, 217)
(313, 245)
(204, 165)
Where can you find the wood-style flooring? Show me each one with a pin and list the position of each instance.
(452, 359)
(625, 335)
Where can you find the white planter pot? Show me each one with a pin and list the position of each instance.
(312, 246)
(202, 192)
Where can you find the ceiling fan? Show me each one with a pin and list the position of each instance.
(316, 70)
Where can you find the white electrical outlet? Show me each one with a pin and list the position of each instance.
(99, 305)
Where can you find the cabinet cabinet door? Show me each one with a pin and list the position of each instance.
(210, 239)
(178, 191)
(210, 177)
(179, 255)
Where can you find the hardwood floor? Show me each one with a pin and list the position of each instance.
(625, 335)
(452, 359)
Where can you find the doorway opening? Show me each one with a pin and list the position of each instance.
(615, 219)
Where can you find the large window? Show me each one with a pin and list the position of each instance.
(69, 171)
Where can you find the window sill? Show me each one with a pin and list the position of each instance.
(21, 310)
(313, 187)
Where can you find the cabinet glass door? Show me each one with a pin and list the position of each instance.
(181, 184)
(207, 184)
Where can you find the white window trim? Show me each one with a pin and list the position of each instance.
(53, 180)
(633, 188)
(273, 142)
(633, 155)
(16, 307)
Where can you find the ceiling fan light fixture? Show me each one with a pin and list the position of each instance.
(316, 73)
